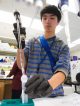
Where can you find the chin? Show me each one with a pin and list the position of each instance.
(48, 31)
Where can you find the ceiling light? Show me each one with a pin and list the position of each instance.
(39, 3)
(74, 43)
(29, 1)
(52, 2)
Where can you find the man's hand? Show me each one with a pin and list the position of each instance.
(22, 35)
(39, 86)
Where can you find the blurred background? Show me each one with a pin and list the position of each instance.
(68, 30)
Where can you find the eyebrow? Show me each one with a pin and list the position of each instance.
(46, 15)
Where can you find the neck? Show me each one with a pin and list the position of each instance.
(49, 35)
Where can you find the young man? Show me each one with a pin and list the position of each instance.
(42, 80)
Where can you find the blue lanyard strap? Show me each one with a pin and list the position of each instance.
(46, 47)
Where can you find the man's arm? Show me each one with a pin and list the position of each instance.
(41, 87)
(62, 68)
(57, 79)
(21, 58)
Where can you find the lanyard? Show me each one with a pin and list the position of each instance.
(46, 47)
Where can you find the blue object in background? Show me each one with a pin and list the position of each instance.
(64, 2)
(1, 60)
(75, 58)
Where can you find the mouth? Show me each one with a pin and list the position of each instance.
(48, 26)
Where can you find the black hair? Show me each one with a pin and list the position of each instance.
(52, 9)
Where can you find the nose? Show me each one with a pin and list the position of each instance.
(47, 20)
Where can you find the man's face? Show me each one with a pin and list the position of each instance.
(49, 22)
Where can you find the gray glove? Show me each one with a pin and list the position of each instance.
(39, 86)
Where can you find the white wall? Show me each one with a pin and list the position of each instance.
(73, 6)
(76, 53)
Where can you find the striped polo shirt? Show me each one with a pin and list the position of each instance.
(39, 63)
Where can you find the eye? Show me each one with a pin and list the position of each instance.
(51, 18)
(44, 18)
